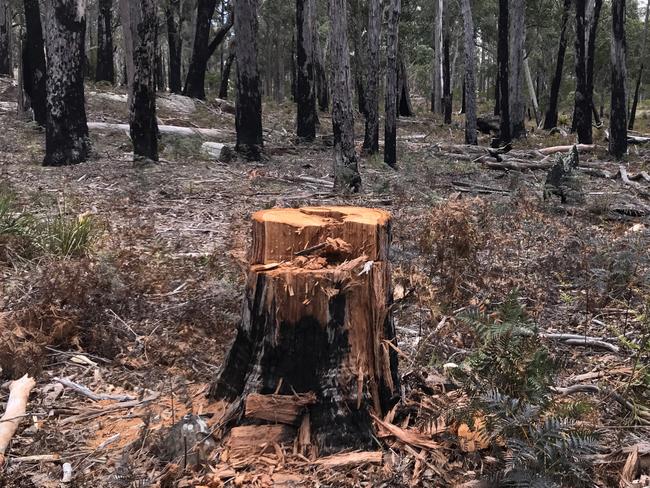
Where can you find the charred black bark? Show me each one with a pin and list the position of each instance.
(34, 72)
(175, 44)
(392, 83)
(305, 90)
(582, 108)
(66, 131)
(404, 106)
(248, 118)
(105, 69)
(469, 88)
(371, 135)
(322, 83)
(618, 114)
(446, 76)
(6, 65)
(504, 76)
(225, 75)
(550, 120)
(203, 49)
(637, 86)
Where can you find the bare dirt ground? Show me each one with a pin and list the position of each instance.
(149, 309)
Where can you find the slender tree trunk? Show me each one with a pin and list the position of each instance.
(371, 136)
(550, 120)
(618, 115)
(504, 76)
(469, 91)
(248, 119)
(531, 90)
(225, 76)
(6, 66)
(497, 93)
(517, 31)
(305, 91)
(582, 109)
(641, 66)
(188, 30)
(322, 83)
(105, 70)
(392, 88)
(446, 94)
(346, 172)
(436, 91)
(595, 7)
(175, 44)
(34, 72)
(404, 105)
(139, 23)
(66, 134)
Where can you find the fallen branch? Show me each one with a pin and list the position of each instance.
(581, 340)
(16, 407)
(91, 394)
(38, 458)
(163, 129)
(556, 149)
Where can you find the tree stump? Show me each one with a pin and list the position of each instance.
(316, 321)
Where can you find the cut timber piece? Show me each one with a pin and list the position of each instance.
(284, 409)
(280, 233)
(318, 323)
(252, 438)
(350, 459)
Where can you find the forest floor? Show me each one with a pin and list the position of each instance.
(142, 299)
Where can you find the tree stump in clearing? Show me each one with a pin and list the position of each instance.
(316, 327)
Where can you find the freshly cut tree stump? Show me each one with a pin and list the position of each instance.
(316, 320)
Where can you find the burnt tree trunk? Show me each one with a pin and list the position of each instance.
(346, 171)
(637, 86)
(446, 79)
(371, 135)
(175, 45)
(203, 48)
(582, 108)
(436, 76)
(6, 65)
(248, 117)
(469, 86)
(66, 130)
(315, 328)
(305, 91)
(404, 106)
(322, 83)
(516, 48)
(618, 113)
(550, 120)
(392, 83)
(504, 75)
(34, 72)
(140, 21)
(105, 70)
(225, 75)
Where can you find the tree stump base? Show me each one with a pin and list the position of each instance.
(312, 349)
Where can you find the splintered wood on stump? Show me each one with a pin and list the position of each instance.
(316, 321)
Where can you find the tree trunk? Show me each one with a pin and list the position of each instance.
(404, 105)
(517, 31)
(371, 136)
(346, 172)
(66, 132)
(641, 66)
(531, 90)
(34, 72)
(392, 85)
(497, 92)
(139, 23)
(469, 92)
(248, 119)
(6, 66)
(436, 91)
(105, 70)
(504, 75)
(318, 333)
(322, 84)
(550, 120)
(203, 49)
(305, 91)
(446, 79)
(582, 109)
(593, 16)
(175, 44)
(618, 114)
(225, 76)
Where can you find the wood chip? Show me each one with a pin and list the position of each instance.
(350, 459)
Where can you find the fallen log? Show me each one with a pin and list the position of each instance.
(163, 129)
(318, 323)
(19, 391)
(556, 149)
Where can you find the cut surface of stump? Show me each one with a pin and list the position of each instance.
(316, 322)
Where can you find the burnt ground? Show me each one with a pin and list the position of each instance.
(149, 308)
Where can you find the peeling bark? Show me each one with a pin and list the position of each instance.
(34, 72)
(66, 134)
(248, 119)
(618, 113)
(346, 171)
(305, 90)
(105, 70)
(371, 135)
